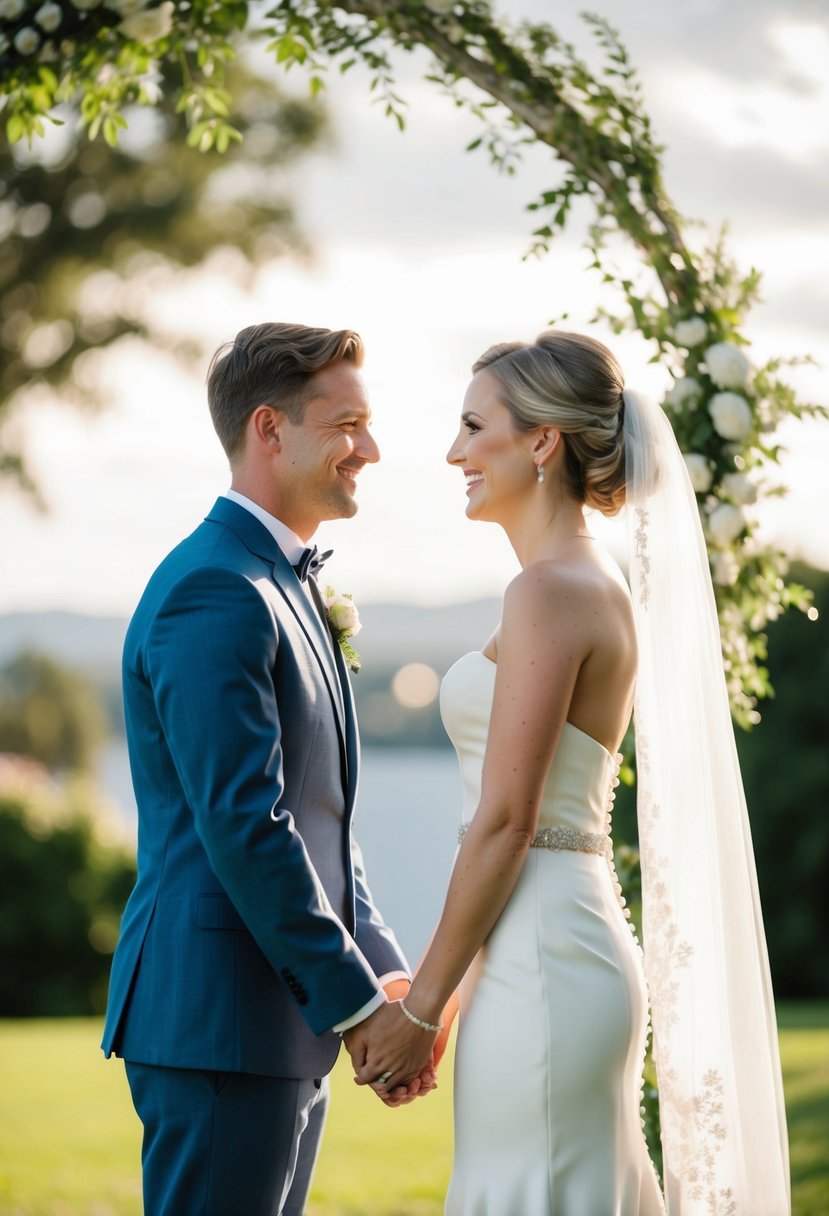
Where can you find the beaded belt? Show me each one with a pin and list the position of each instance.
(559, 839)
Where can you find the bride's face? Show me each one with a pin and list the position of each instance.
(494, 456)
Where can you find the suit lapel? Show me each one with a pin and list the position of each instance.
(352, 738)
(315, 630)
(256, 537)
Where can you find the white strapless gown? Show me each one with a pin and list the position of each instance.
(551, 1043)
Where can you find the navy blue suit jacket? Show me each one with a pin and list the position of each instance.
(251, 930)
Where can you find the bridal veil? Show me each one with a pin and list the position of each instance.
(714, 1032)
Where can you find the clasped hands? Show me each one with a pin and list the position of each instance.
(395, 1057)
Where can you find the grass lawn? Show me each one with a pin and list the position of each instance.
(70, 1142)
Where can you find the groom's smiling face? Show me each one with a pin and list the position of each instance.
(322, 455)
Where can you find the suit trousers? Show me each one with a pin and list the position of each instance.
(226, 1143)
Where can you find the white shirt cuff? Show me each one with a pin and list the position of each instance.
(376, 1001)
(368, 1009)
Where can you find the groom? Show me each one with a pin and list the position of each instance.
(251, 937)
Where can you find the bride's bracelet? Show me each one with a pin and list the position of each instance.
(419, 1021)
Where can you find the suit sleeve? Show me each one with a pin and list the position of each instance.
(373, 935)
(209, 658)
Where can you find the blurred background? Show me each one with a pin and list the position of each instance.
(123, 272)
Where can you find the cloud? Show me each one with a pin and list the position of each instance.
(784, 111)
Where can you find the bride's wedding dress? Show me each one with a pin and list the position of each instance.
(551, 1042)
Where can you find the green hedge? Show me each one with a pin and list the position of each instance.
(65, 875)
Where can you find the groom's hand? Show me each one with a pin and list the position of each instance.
(388, 1051)
(425, 1081)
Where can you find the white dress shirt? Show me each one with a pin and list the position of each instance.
(293, 548)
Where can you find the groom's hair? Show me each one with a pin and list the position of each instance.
(271, 364)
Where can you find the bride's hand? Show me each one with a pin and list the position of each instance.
(388, 1050)
(402, 1095)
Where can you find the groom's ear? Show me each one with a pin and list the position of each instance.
(265, 425)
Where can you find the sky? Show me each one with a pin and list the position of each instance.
(419, 246)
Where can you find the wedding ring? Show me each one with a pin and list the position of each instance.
(383, 1078)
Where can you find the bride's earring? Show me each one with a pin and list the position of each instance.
(541, 474)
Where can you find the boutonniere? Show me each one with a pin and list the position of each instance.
(344, 623)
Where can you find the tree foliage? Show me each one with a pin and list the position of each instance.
(93, 234)
(65, 879)
(525, 85)
(49, 713)
(786, 773)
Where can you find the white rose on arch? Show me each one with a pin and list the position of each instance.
(725, 523)
(690, 332)
(731, 415)
(150, 24)
(699, 470)
(725, 569)
(685, 391)
(26, 40)
(741, 488)
(126, 8)
(10, 10)
(727, 366)
(49, 17)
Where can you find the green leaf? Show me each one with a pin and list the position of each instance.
(15, 128)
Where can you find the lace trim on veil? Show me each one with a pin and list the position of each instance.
(714, 1032)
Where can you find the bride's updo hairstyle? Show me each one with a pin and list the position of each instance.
(573, 383)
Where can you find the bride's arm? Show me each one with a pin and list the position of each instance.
(447, 1017)
(545, 637)
(450, 1012)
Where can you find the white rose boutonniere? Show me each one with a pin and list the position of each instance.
(344, 622)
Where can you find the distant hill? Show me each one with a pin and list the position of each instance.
(392, 634)
(89, 642)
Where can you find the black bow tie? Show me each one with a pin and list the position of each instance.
(311, 562)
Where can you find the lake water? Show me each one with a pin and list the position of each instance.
(408, 812)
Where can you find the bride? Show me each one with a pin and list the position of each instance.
(533, 944)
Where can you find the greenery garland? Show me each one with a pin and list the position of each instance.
(525, 85)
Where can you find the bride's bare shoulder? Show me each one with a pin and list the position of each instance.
(569, 576)
(545, 587)
(574, 593)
